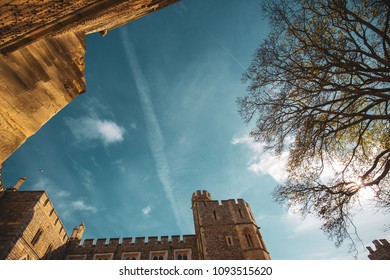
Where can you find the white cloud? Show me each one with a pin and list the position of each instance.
(92, 128)
(299, 225)
(50, 187)
(80, 205)
(264, 162)
(109, 131)
(133, 125)
(87, 178)
(62, 193)
(119, 164)
(146, 211)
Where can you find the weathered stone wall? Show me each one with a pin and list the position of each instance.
(25, 21)
(221, 227)
(220, 233)
(90, 247)
(36, 82)
(42, 48)
(23, 214)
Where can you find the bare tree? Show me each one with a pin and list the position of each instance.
(320, 87)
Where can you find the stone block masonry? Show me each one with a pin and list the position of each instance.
(31, 229)
(42, 46)
(36, 82)
(138, 247)
(26, 21)
(382, 250)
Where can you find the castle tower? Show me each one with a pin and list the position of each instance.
(226, 230)
(382, 250)
(78, 232)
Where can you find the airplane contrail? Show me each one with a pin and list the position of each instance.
(224, 48)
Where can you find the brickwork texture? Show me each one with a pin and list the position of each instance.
(31, 229)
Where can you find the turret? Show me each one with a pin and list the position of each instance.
(200, 196)
(78, 232)
(382, 250)
(226, 229)
(19, 183)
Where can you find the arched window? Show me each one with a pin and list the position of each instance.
(158, 255)
(229, 240)
(103, 256)
(36, 237)
(182, 254)
(131, 256)
(48, 251)
(249, 241)
(250, 238)
(240, 212)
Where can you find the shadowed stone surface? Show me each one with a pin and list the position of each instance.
(42, 46)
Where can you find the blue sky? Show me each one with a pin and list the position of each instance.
(159, 121)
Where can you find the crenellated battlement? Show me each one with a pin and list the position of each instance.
(136, 241)
(226, 224)
(229, 202)
(224, 211)
(201, 195)
(52, 214)
(224, 229)
(382, 250)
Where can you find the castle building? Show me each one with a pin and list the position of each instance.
(382, 250)
(29, 226)
(42, 46)
(31, 229)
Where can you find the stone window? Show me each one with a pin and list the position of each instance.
(215, 215)
(36, 237)
(182, 254)
(76, 257)
(51, 212)
(131, 256)
(24, 258)
(249, 241)
(240, 212)
(106, 256)
(158, 255)
(48, 251)
(229, 240)
(250, 238)
(46, 202)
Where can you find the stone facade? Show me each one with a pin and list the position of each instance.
(139, 248)
(382, 250)
(23, 22)
(31, 229)
(42, 46)
(36, 82)
(228, 224)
